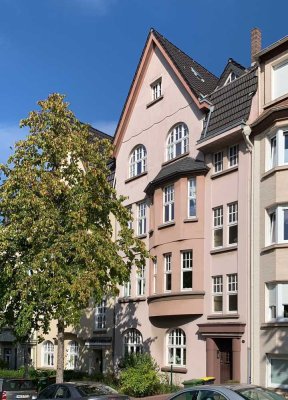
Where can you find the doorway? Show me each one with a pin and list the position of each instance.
(224, 355)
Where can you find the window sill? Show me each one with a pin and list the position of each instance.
(143, 236)
(166, 225)
(224, 172)
(224, 249)
(131, 299)
(100, 330)
(179, 370)
(275, 101)
(273, 171)
(175, 159)
(192, 219)
(136, 177)
(154, 101)
(272, 247)
(223, 316)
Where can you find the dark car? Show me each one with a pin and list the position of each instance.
(15, 389)
(80, 391)
(226, 392)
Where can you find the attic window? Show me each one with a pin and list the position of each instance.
(196, 73)
(156, 89)
(232, 76)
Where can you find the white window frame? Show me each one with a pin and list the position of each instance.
(177, 141)
(155, 271)
(132, 342)
(137, 161)
(47, 354)
(233, 156)
(140, 278)
(232, 221)
(72, 355)
(130, 222)
(167, 272)
(271, 357)
(176, 348)
(127, 289)
(218, 162)
(192, 198)
(156, 89)
(279, 88)
(277, 148)
(186, 268)
(217, 291)
(168, 204)
(277, 301)
(100, 315)
(277, 225)
(232, 290)
(142, 218)
(218, 224)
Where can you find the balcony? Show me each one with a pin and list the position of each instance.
(175, 304)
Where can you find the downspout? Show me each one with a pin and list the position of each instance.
(246, 131)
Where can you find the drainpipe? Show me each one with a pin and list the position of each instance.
(246, 131)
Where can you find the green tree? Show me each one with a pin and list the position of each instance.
(57, 208)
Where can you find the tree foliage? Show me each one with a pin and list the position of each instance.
(57, 209)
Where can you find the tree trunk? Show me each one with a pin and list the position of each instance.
(26, 361)
(60, 352)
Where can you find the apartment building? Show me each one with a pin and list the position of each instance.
(269, 286)
(183, 160)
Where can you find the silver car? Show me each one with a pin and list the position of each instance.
(17, 389)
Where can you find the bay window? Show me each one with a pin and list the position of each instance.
(277, 300)
(168, 203)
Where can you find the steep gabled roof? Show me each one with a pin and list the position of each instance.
(231, 66)
(232, 105)
(98, 134)
(200, 80)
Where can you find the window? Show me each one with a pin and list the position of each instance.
(100, 315)
(167, 273)
(178, 141)
(168, 203)
(192, 197)
(279, 80)
(278, 149)
(141, 281)
(127, 289)
(218, 226)
(232, 293)
(186, 262)
(155, 270)
(132, 342)
(177, 347)
(72, 355)
(218, 293)
(277, 301)
(233, 155)
(232, 76)
(141, 218)
(48, 354)
(130, 222)
(137, 163)
(278, 225)
(277, 371)
(156, 88)
(218, 162)
(232, 223)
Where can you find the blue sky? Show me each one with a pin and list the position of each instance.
(89, 49)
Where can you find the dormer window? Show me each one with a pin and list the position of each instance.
(137, 162)
(280, 80)
(232, 76)
(177, 141)
(156, 89)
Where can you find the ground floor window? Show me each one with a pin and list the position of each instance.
(132, 341)
(177, 347)
(72, 355)
(277, 371)
(48, 354)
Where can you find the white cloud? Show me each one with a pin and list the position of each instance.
(9, 135)
(105, 126)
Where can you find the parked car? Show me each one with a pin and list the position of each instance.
(226, 392)
(14, 389)
(80, 390)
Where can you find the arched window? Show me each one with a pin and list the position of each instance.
(176, 347)
(72, 355)
(177, 141)
(137, 162)
(132, 341)
(48, 353)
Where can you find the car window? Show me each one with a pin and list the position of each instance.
(210, 395)
(259, 394)
(87, 390)
(62, 393)
(187, 395)
(48, 393)
(14, 384)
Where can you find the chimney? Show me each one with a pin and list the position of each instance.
(256, 37)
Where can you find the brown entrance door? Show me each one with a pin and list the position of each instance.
(224, 354)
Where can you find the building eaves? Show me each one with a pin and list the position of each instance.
(267, 50)
(269, 117)
(231, 104)
(178, 168)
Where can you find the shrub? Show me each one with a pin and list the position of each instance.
(139, 376)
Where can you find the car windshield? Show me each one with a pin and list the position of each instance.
(87, 390)
(259, 394)
(14, 384)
